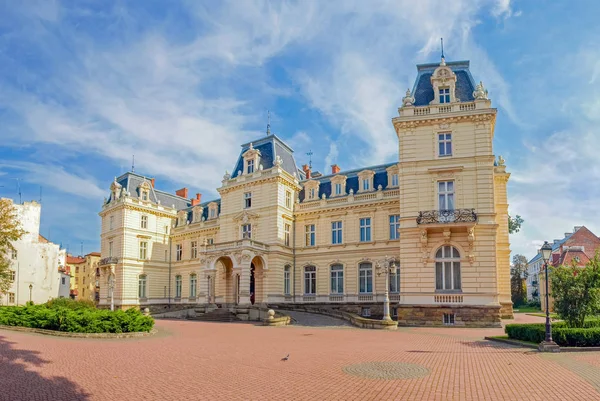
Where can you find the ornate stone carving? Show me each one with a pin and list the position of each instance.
(408, 99)
(278, 161)
(226, 176)
(447, 234)
(423, 237)
(501, 161)
(480, 92)
(444, 126)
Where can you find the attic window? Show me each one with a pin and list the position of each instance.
(444, 95)
(250, 167)
(144, 195)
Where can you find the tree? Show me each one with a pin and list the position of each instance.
(576, 291)
(514, 224)
(518, 274)
(10, 230)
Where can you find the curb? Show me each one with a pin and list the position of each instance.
(532, 346)
(78, 335)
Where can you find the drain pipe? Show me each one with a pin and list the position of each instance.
(170, 252)
(294, 249)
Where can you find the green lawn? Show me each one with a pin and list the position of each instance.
(527, 309)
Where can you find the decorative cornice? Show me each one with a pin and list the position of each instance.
(151, 211)
(480, 117)
(319, 211)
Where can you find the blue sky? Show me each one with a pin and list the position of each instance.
(84, 85)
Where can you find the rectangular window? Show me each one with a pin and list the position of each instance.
(337, 279)
(365, 229)
(246, 231)
(110, 248)
(193, 285)
(445, 144)
(166, 256)
(394, 180)
(366, 184)
(444, 95)
(143, 250)
(144, 221)
(12, 275)
(336, 232)
(194, 248)
(178, 252)
(76, 269)
(112, 220)
(210, 241)
(142, 287)
(286, 280)
(446, 195)
(449, 319)
(14, 254)
(11, 297)
(288, 199)
(365, 312)
(250, 169)
(365, 278)
(84, 281)
(286, 234)
(310, 280)
(394, 280)
(144, 195)
(213, 212)
(178, 287)
(309, 235)
(338, 188)
(395, 226)
(311, 193)
(247, 200)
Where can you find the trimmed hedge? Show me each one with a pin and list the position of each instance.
(589, 336)
(75, 317)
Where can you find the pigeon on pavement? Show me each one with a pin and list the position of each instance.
(286, 357)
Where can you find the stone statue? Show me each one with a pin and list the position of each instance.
(408, 100)
(501, 161)
(226, 176)
(278, 161)
(480, 92)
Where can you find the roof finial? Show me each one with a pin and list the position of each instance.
(268, 122)
(309, 154)
(443, 58)
(133, 163)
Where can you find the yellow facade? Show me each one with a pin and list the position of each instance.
(84, 273)
(278, 236)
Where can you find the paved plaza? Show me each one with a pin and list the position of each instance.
(239, 361)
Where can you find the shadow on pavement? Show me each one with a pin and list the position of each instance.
(19, 382)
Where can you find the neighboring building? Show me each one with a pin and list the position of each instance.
(84, 276)
(283, 235)
(38, 265)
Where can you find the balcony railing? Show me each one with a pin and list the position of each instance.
(111, 260)
(447, 216)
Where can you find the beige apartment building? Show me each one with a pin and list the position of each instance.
(284, 236)
(85, 275)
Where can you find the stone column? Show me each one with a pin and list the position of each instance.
(245, 279)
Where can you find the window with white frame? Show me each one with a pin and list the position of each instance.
(309, 231)
(447, 268)
(365, 278)
(11, 297)
(142, 282)
(365, 229)
(312, 193)
(247, 200)
(366, 184)
(287, 280)
(12, 275)
(444, 95)
(193, 285)
(111, 222)
(445, 144)
(310, 280)
(177, 286)
(394, 279)
(246, 231)
(394, 180)
(449, 319)
(337, 279)
(336, 232)
(144, 223)
(395, 226)
(14, 254)
(338, 189)
(178, 252)
(144, 195)
(210, 241)
(288, 199)
(194, 249)
(250, 166)
(110, 248)
(446, 195)
(286, 234)
(143, 250)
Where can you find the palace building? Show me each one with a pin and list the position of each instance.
(284, 236)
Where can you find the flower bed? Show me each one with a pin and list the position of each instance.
(75, 317)
(588, 336)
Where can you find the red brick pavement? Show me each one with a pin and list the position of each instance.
(213, 361)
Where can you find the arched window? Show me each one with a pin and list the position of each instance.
(394, 278)
(447, 268)
(310, 280)
(142, 286)
(287, 280)
(193, 285)
(337, 279)
(177, 286)
(365, 278)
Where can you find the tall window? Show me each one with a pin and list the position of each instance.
(337, 279)
(338, 188)
(11, 297)
(312, 193)
(193, 285)
(288, 199)
(13, 275)
(365, 229)
(394, 180)
(247, 199)
(365, 278)
(111, 224)
(178, 252)
(366, 184)
(336, 232)
(177, 286)
(286, 280)
(250, 168)
(445, 144)
(447, 268)
(444, 95)
(194, 248)
(144, 221)
(310, 280)
(213, 212)
(210, 241)
(446, 195)
(394, 279)
(309, 234)
(246, 231)
(110, 248)
(14, 253)
(166, 255)
(143, 250)
(394, 226)
(142, 286)
(286, 234)
(145, 195)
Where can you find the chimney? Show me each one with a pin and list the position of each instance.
(577, 228)
(183, 192)
(152, 182)
(196, 201)
(199, 197)
(306, 170)
(335, 169)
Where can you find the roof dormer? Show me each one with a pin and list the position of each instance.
(338, 185)
(311, 190)
(251, 160)
(443, 81)
(144, 191)
(115, 190)
(365, 181)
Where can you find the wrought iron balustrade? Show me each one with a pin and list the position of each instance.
(111, 260)
(447, 216)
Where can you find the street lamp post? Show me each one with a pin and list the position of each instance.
(547, 345)
(30, 290)
(386, 266)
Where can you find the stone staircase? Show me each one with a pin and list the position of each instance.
(221, 315)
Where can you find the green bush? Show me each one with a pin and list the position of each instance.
(588, 336)
(76, 317)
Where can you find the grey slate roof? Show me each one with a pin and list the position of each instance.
(131, 181)
(423, 90)
(555, 247)
(204, 205)
(380, 178)
(270, 147)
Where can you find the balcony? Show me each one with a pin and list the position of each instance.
(447, 216)
(111, 260)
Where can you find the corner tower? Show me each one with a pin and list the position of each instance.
(454, 249)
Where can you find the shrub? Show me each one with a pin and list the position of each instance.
(534, 303)
(70, 303)
(588, 336)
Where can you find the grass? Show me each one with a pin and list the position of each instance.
(512, 340)
(527, 309)
(542, 314)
